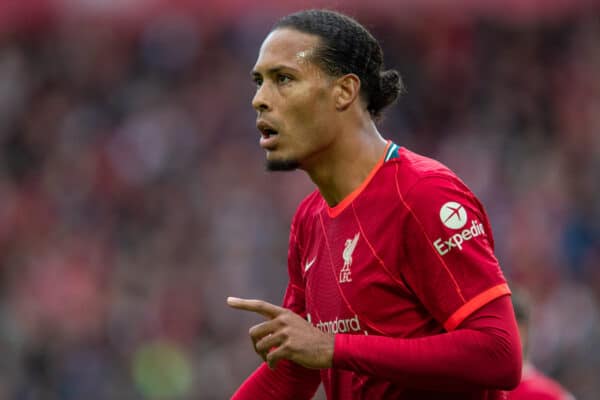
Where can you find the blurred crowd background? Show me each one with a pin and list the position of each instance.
(133, 195)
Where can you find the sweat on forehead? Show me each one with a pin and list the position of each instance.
(304, 56)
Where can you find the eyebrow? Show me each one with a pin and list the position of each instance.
(274, 70)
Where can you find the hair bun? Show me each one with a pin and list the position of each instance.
(390, 87)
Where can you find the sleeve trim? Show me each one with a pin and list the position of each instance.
(474, 304)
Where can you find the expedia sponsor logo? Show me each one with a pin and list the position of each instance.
(338, 325)
(453, 215)
(444, 246)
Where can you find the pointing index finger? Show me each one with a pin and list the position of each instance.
(258, 306)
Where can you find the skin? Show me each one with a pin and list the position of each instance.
(322, 122)
(286, 335)
(324, 129)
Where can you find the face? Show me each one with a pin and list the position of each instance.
(293, 100)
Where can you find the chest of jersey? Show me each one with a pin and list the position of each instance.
(352, 271)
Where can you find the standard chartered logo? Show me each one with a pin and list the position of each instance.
(337, 325)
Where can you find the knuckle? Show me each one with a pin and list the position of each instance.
(284, 345)
(285, 351)
(254, 339)
(273, 356)
(286, 332)
(284, 317)
(254, 331)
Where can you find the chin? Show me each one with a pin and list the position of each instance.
(282, 165)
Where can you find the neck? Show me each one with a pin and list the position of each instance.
(347, 163)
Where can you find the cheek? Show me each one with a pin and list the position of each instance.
(311, 110)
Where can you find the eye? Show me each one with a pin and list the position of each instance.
(282, 79)
(257, 81)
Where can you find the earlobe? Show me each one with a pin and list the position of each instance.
(346, 91)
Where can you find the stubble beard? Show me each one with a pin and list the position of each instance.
(282, 165)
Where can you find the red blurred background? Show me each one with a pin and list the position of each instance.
(134, 197)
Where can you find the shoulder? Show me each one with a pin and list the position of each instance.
(429, 192)
(419, 177)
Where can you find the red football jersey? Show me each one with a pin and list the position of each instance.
(537, 386)
(408, 254)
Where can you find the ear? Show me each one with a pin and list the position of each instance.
(347, 90)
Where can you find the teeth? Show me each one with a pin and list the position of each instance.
(268, 132)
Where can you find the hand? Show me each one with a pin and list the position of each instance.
(286, 335)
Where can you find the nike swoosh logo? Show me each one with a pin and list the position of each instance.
(309, 264)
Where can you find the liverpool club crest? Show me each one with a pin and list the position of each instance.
(345, 273)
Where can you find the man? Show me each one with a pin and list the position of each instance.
(534, 384)
(394, 290)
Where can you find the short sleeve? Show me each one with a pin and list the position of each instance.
(448, 248)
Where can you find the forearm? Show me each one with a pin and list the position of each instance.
(287, 381)
(484, 352)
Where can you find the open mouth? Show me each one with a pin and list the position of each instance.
(268, 132)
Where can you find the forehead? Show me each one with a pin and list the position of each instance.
(286, 47)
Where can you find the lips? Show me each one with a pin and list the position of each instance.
(267, 130)
(268, 134)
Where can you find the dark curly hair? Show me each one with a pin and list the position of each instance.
(347, 47)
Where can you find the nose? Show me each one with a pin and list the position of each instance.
(260, 101)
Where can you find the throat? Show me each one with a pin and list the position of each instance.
(335, 188)
(347, 177)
